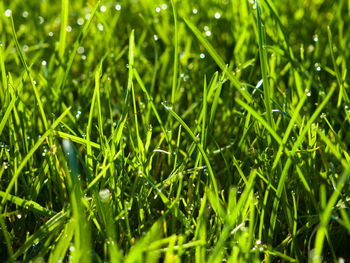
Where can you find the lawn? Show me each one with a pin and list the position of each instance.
(174, 131)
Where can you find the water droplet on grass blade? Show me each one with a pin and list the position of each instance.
(80, 21)
(8, 12)
(41, 20)
(308, 92)
(77, 115)
(347, 109)
(167, 105)
(105, 195)
(81, 50)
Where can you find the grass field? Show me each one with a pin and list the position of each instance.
(174, 131)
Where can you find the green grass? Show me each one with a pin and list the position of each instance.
(174, 131)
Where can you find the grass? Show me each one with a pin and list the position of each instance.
(172, 131)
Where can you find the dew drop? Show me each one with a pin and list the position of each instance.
(100, 27)
(81, 50)
(25, 14)
(164, 6)
(167, 105)
(157, 9)
(103, 8)
(308, 92)
(202, 55)
(217, 15)
(195, 11)
(77, 115)
(50, 34)
(155, 37)
(347, 108)
(8, 12)
(43, 62)
(80, 21)
(315, 38)
(68, 28)
(105, 195)
(118, 7)
(317, 67)
(41, 20)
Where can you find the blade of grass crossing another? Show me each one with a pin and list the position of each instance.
(28, 156)
(284, 174)
(198, 143)
(262, 121)
(77, 44)
(325, 216)
(219, 61)
(231, 220)
(52, 224)
(150, 101)
(36, 93)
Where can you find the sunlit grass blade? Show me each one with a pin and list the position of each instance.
(28, 156)
(220, 62)
(231, 220)
(120, 126)
(263, 67)
(342, 92)
(82, 239)
(28, 205)
(36, 93)
(200, 148)
(176, 55)
(53, 223)
(76, 45)
(296, 145)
